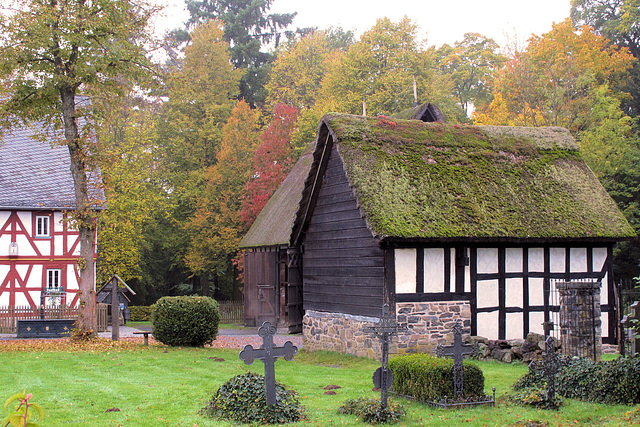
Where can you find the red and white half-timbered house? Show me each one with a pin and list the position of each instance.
(38, 247)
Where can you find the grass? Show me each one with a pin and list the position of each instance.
(163, 386)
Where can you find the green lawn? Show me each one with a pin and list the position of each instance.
(162, 386)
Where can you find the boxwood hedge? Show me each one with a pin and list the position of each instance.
(429, 378)
(185, 321)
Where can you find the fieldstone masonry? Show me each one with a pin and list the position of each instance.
(428, 325)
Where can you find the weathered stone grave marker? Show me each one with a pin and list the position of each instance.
(268, 354)
(457, 350)
(387, 327)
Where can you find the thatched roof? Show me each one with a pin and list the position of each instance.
(438, 182)
(273, 225)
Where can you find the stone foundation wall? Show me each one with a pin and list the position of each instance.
(428, 324)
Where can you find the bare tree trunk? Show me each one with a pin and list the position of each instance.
(87, 321)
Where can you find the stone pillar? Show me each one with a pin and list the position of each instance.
(580, 324)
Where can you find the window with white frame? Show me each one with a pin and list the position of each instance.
(43, 224)
(53, 278)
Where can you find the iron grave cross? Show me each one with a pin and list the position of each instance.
(268, 354)
(387, 327)
(457, 350)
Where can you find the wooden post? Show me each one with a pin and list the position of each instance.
(115, 310)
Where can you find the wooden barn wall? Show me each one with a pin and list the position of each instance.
(343, 264)
(260, 268)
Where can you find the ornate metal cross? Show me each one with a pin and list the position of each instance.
(551, 366)
(268, 354)
(387, 327)
(457, 350)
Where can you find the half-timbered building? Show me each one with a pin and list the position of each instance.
(444, 223)
(38, 246)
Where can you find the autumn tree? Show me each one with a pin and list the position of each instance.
(55, 52)
(272, 161)
(216, 227)
(472, 65)
(549, 83)
(248, 28)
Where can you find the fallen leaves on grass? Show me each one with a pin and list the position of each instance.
(97, 345)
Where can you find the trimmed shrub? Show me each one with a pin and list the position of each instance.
(370, 410)
(243, 399)
(139, 313)
(429, 378)
(613, 381)
(190, 321)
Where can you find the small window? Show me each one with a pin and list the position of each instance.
(53, 278)
(42, 226)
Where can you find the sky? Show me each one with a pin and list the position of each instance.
(506, 21)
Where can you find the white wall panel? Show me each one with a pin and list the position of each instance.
(557, 260)
(5, 241)
(58, 248)
(535, 322)
(24, 247)
(599, 258)
(578, 258)
(536, 291)
(72, 281)
(405, 260)
(513, 263)
(536, 260)
(25, 218)
(488, 325)
(513, 291)
(514, 326)
(487, 260)
(44, 246)
(58, 225)
(434, 270)
(488, 293)
(4, 217)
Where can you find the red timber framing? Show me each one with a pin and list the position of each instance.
(23, 276)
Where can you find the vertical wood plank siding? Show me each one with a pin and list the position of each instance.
(261, 268)
(343, 263)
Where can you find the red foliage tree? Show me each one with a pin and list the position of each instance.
(272, 161)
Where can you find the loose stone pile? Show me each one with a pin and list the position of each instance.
(510, 350)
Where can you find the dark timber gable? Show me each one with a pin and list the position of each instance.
(343, 262)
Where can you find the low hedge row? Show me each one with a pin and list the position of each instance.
(612, 381)
(429, 378)
(139, 313)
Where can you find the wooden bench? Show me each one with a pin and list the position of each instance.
(146, 336)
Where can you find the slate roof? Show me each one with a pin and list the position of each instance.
(273, 225)
(36, 175)
(416, 181)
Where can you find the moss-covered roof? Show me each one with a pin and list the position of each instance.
(273, 225)
(434, 181)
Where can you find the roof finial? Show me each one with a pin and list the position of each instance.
(415, 92)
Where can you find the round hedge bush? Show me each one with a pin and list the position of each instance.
(243, 399)
(190, 321)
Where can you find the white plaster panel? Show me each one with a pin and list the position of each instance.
(24, 247)
(604, 290)
(536, 260)
(4, 299)
(44, 246)
(467, 278)
(514, 325)
(488, 325)
(452, 267)
(536, 291)
(405, 260)
(4, 216)
(434, 270)
(557, 260)
(72, 282)
(36, 276)
(599, 258)
(605, 325)
(513, 262)
(5, 241)
(71, 240)
(487, 260)
(25, 217)
(487, 293)
(58, 225)
(513, 293)
(57, 245)
(21, 299)
(578, 258)
(536, 319)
